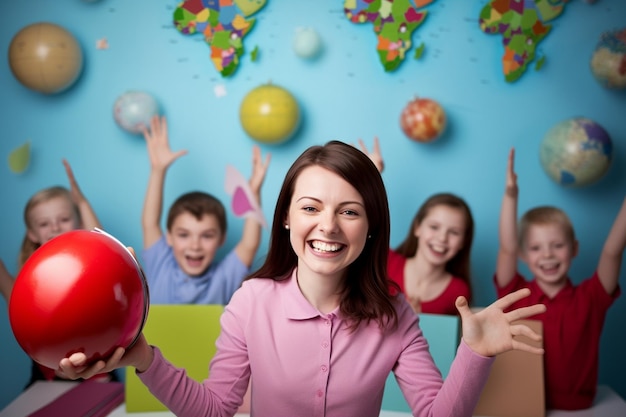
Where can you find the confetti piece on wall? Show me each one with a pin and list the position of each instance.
(19, 158)
(219, 90)
(102, 44)
(243, 202)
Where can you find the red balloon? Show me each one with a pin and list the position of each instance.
(82, 291)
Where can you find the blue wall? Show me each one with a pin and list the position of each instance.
(344, 95)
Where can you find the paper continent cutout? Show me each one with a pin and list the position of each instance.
(223, 25)
(19, 158)
(522, 25)
(243, 202)
(394, 24)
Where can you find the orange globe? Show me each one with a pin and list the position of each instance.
(269, 114)
(423, 120)
(45, 57)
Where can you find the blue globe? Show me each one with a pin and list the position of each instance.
(576, 152)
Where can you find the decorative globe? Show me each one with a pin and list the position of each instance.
(576, 152)
(423, 120)
(82, 291)
(134, 109)
(269, 114)
(45, 57)
(307, 43)
(608, 63)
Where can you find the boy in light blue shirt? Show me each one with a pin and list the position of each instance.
(180, 264)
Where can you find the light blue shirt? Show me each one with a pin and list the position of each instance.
(169, 284)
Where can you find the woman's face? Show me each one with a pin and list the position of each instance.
(328, 224)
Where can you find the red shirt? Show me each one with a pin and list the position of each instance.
(442, 304)
(572, 326)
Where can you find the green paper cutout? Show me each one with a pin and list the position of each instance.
(540, 63)
(19, 158)
(254, 54)
(419, 51)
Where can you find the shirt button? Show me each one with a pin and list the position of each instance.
(328, 322)
(320, 393)
(325, 345)
(324, 368)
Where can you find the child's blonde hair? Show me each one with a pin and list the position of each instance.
(545, 215)
(42, 196)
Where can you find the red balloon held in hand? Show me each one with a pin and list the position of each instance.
(82, 291)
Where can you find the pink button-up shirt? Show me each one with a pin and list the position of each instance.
(305, 363)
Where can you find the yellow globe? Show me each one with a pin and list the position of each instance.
(269, 114)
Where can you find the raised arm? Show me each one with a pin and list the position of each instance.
(6, 282)
(161, 157)
(251, 237)
(612, 252)
(375, 155)
(508, 247)
(87, 214)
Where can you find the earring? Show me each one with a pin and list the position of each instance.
(369, 236)
(287, 226)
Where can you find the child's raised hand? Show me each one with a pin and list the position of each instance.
(259, 169)
(511, 176)
(375, 155)
(161, 156)
(76, 193)
(490, 331)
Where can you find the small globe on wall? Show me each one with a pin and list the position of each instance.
(423, 120)
(608, 62)
(133, 111)
(269, 114)
(576, 152)
(45, 57)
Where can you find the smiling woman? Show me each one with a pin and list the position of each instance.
(323, 293)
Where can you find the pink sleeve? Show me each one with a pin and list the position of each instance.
(421, 383)
(223, 393)
(178, 392)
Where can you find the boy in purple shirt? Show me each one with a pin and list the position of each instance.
(180, 265)
(316, 329)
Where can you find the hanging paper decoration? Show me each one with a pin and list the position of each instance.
(243, 202)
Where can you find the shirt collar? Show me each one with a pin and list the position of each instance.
(565, 291)
(297, 307)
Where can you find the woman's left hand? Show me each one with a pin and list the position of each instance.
(491, 331)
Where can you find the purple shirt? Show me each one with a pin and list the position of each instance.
(168, 284)
(305, 363)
